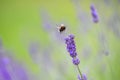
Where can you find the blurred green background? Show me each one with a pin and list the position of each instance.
(28, 29)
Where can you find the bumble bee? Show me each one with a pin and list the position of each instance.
(61, 28)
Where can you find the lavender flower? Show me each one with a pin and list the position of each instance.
(76, 61)
(83, 77)
(7, 69)
(71, 47)
(94, 14)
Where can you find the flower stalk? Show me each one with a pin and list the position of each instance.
(71, 48)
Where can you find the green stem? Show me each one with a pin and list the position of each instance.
(79, 71)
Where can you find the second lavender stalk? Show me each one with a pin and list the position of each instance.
(71, 48)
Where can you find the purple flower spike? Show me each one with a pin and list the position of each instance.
(84, 77)
(71, 47)
(76, 61)
(94, 14)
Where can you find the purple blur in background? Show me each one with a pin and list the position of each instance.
(94, 14)
(83, 77)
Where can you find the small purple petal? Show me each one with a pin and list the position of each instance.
(76, 61)
(67, 40)
(73, 54)
(71, 36)
(84, 77)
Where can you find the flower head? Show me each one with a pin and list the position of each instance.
(94, 14)
(71, 47)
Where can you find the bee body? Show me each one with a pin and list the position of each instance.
(61, 28)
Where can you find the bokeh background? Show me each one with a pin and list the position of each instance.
(31, 48)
